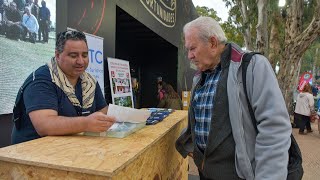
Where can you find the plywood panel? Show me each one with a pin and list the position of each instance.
(19, 171)
(161, 161)
(104, 156)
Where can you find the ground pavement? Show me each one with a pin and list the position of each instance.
(310, 148)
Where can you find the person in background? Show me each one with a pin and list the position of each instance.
(135, 92)
(20, 4)
(44, 22)
(12, 26)
(35, 8)
(30, 25)
(171, 99)
(161, 91)
(314, 90)
(304, 109)
(220, 135)
(1, 8)
(317, 103)
(60, 98)
(1, 17)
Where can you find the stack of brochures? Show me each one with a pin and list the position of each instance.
(157, 115)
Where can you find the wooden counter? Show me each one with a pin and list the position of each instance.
(146, 154)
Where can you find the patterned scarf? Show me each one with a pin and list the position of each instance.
(88, 84)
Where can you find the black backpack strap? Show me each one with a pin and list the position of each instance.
(295, 169)
(19, 108)
(245, 62)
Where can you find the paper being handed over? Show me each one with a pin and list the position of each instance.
(126, 114)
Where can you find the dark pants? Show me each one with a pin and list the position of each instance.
(2, 29)
(202, 177)
(13, 31)
(303, 122)
(44, 30)
(32, 36)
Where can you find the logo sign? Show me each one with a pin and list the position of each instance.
(306, 76)
(163, 10)
(304, 79)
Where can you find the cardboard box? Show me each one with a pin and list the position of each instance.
(186, 99)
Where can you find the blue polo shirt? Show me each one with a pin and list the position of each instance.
(39, 92)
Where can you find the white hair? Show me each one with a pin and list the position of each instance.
(27, 8)
(207, 27)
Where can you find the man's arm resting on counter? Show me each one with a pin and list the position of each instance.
(47, 122)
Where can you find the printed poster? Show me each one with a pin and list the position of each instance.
(120, 82)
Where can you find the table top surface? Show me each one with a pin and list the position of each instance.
(88, 154)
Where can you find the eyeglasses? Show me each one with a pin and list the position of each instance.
(70, 34)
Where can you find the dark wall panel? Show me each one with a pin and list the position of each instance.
(61, 15)
(5, 129)
(94, 17)
(145, 11)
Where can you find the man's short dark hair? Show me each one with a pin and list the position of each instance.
(62, 37)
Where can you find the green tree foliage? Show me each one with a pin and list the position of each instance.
(311, 58)
(209, 12)
(232, 32)
(236, 17)
(312, 55)
(293, 30)
(308, 11)
(234, 26)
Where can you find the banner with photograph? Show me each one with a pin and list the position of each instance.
(22, 53)
(120, 82)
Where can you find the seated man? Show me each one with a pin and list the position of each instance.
(60, 98)
(12, 22)
(30, 25)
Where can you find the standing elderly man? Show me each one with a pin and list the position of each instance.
(60, 98)
(220, 135)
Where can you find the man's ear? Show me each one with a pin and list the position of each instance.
(57, 55)
(213, 41)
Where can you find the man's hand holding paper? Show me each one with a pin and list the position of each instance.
(99, 122)
(126, 114)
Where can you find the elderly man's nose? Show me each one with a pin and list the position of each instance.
(190, 55)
